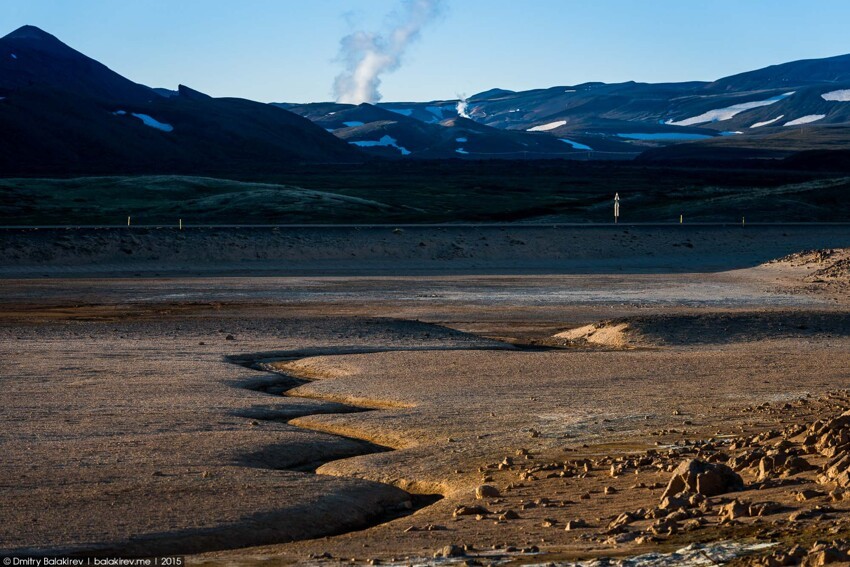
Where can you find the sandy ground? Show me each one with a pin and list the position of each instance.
(192, 415)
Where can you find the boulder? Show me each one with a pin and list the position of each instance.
(486, 491)
(451, 551)
(664, 527)
(575, 524)
(708, 479)
(734, 510)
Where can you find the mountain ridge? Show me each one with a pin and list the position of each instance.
(68, 112)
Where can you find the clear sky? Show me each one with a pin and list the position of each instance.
(286, 50)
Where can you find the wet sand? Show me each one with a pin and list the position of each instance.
(192, 415)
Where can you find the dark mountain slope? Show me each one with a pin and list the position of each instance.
(64, 113)
(32, 57)
(51, 131)
(787, 75)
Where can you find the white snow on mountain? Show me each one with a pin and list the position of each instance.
(402, 111)
(148, 121)
(547, 127)
(837, 96)
(768, 122)
(728, 112)
(353, 123)
(384, 141)
(460, 140)
(14, 56)
(461, 151)
(576, 145)
(665, 136)
(805, 120)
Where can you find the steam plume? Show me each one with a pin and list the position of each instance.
(462, 106)
(368, 55)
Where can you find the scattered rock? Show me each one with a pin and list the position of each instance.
(470, 511)
(450, 551)
(664, 527)
(735, 510)
(675, 502)
(764, 508)
(622, 520)
(808, 494)
(486, 491)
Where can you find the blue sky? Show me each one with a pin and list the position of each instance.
(286, 50)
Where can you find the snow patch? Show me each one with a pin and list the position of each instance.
(14, 56)
(665, 136)
(436, 111)
(721, 114)
(148, 121)
(730, 133)
(402, 111)
(837, 96)
(353, 123)
(808, 119)
(460, 140)
(461, 151)
(768, 122)
(576, 145)
(388, 141)
(694, 555)
(547, 127)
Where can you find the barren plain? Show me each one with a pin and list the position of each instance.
(519, 396)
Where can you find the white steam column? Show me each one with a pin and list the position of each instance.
(616, 207)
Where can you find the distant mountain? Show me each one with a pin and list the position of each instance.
(62, 112)
(620, 121)
(391, 132)
(807, 72)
